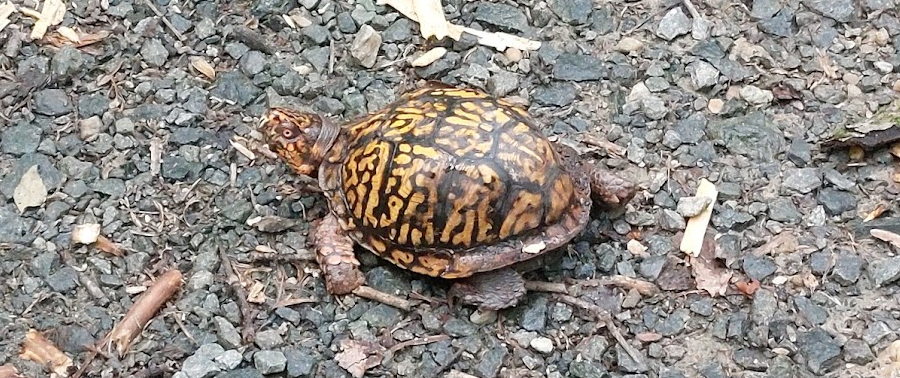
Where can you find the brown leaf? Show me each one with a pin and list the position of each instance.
(876, 212)
(203, 67)
(887, 236)
(108, 246)
(748, 288)
(69, 34)
(782, 243)
(675, 277)
(708, 273)
(784, 92)
(37, 348)
(358, 356)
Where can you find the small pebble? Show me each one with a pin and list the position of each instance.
(542, 344)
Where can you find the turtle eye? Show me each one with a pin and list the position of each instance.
(287, 133)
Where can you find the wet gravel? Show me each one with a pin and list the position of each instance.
(744, 97)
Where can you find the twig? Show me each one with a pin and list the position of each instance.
(380, 296)
(547, 287)
(692, 9)
(164, 20)
(253, 40)
(644, 287)
(247, 332)
(143, 310)
(606, 318)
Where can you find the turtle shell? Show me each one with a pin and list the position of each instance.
(451, 182)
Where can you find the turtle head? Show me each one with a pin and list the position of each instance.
(300, 139)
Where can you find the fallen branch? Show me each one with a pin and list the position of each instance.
(606, 318)
(37, 348)
(124, 333)
(380, 296)
(240, 294)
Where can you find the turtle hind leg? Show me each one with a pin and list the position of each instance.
(334, 253)
(493, 290)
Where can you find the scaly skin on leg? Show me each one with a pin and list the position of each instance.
(608, 190)
(334, 252)
(492, 290)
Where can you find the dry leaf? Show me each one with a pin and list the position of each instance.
(785, 242)
(708, 273)
(155, 156)
(257, 293)
(876, 212)
(108, 246)
(748, 288)
(85, 233)
(358, 356)
(895, 149)
(648, 337)
(825, 64)
(9, 371)
(203, 67)
(142, 311)
(695, 231)
(437, 25)
(429, 57)
(37, 348)
(6, 10)
(31, 191)
(887, 236)
(243, 150)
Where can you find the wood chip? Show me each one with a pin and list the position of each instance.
(692, 242)
(131, 325)
(887, 236)
(155, 156)
(534, 248)
(51, 14)
(31, 191)
(69, 34)
(875, 213)
(6, 10)
(437, 25)
(243, 150)
(37, 348)
(429, 57)
(201, 65)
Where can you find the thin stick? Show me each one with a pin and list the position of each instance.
(144, 310)
(606, 318)
(380, 296)
(692, 9)
(546, 287)
(644, 287)
(247, 332)
(164, 20)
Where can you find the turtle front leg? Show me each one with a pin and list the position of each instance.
(334, 252)
(608, 190)
(492, 290)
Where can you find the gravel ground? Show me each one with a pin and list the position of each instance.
(745, 95)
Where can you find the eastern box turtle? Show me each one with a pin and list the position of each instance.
(444, 182)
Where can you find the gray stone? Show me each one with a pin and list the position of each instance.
(230, 359)
(113, 187)
(23, 138)
(836, 202)
(673, 24)
(657, 84)
(234, 86)
(459, 328)
(491, 361)
(268, 339)
(64, 280)
(502, 83)
(800, 152)
(90, 105)
(692, 129)
(763, 307)
(556, 94)
(782, 25)
(365, 46)
(154, 53)
(672, 221)
(67, 62)
(764, 8)
(654, 107)
(814, 314)
(52, 102)
(822, 352)
(300, 363)
(227, 333)
(535, 316)
(252, 63)
(758, 268)
(382, 316)
(838, 180)
(237, 210)
(346, 24)
(201, 364)
(178, 168)
(885, 270)
(269, 361)
(574, 12)
(703, 74)
(750, 359)
(784, 210)
(318, 57)
(703, 306)
(838, 10)
(801, 180)
(692, 206)
(318, 34)
(847, 268)
(507, 17)
(399, 31)
(753, 135)
(578, 67)
(857, 352)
